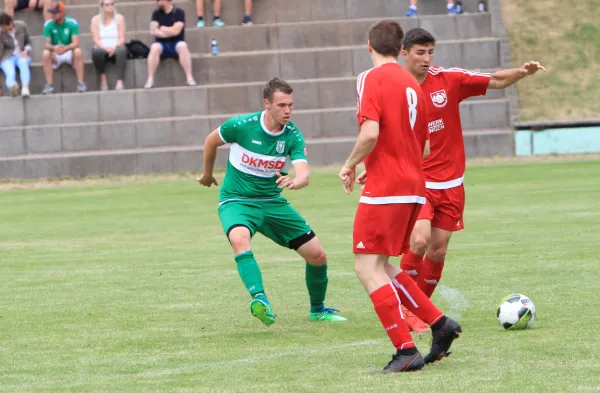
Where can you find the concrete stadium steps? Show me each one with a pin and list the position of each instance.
(137, 13)
(302, 35)
(141, 104)
(259, 66)
(321, 151)
(143, 161)
(317, 45)
(272, 10)
(189, 130)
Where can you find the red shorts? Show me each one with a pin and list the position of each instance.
(384, 229)
(444, 208)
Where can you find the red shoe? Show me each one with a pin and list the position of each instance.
(414, 323)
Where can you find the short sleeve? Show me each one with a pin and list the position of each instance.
(154, 16)
(179, 15)
(368, 105)
(298, 148)
(75, 29)
(47, 29)
(228, 130)
(472, 84)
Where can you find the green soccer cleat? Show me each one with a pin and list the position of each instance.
(326, 314)
(261, 309)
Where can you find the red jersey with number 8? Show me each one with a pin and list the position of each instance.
(389, 95)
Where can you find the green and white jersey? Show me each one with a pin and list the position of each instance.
(255, 155)
(61, 34)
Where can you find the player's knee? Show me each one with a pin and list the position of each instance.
(363, 271)
(318, 258)
(419, 242)
(239, 237)
(437, 252)
(359, 270)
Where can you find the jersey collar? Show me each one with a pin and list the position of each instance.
(265, 129)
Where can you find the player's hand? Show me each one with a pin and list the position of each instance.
(531, 68)
(347, 175)
(285, 181)
(362, 178)
(207, 181)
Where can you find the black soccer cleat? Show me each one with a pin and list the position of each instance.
(405, 360)
(443, 333)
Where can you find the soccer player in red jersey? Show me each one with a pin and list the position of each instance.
(444, 168)
(392, 141)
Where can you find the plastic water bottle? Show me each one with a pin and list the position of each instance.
(214, 47)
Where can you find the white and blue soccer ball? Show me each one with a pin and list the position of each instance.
(516, 312)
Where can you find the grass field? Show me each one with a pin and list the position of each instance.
(132, 288)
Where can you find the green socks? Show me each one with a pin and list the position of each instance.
(316, 282)
(316, 279)
(250, 273)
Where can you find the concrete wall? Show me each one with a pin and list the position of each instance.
(579, 140)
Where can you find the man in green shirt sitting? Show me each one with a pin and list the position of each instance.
(61, 46)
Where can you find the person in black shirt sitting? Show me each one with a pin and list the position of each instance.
(168, 26)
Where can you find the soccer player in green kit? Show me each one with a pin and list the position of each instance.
(250, 200)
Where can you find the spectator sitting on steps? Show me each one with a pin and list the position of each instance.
(10, 6)
(108, 34)
(168, 26)
(15, 46)
(247, 21)
(217, 22)
(61, 43)
(453, 8)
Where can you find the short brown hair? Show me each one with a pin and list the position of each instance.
(274, 85)
(5, 19)
(386, 38)
(417, 36)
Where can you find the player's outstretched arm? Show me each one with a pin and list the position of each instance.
(365, 143)
(211, 143)
(504, 78)
(300, 181)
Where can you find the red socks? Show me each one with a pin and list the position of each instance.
(430, 276)
(387, 307)
(411, 263)
(415, 300)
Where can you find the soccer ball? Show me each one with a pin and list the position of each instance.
(516, 312)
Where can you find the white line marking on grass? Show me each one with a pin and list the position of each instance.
(225, 363)
(457, 302)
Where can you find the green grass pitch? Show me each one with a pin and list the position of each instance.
(133, 288)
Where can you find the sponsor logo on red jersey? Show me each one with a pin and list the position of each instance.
(436, 125)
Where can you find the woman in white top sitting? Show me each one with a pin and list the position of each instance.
(108, 34)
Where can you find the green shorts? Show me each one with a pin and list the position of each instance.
(276, 219)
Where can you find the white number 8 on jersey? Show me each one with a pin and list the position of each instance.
(411, 98)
